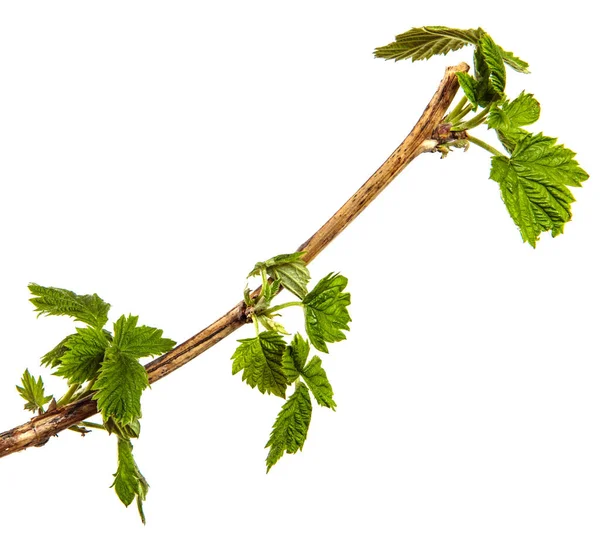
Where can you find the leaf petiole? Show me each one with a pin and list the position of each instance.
(281, 306)
(91, 424)
(483, 145)
(68, 395)
(474, 121)
(457, 111)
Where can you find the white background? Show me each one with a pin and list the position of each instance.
(152, 152)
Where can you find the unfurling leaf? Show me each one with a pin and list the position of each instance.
(507, 118)
(290, 269)
(90, 309)
(325, 311)
(294, 366)
(534, 181)
(32, 391)
(53, 357)
(493, 58)
(260, 358)
(469, 86)
(129, 482)
(291, 426)
(84, 353)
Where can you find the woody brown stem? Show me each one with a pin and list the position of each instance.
(40, 429)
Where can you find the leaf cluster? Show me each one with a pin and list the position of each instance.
(270, 364)
(105, 364)
(535, 176)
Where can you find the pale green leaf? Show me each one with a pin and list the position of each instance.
(424, 42)
(291, 426)
(129, 482)
(32, 391)
(534, 181)
(325, 311)
(290, 269)
(83, 356)
(90, 309)
(260, 359)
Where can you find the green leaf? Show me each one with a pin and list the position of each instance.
(32, 391)
(290, 269)
(83, 356)
(493, 58)
(506, 116)
(260, 358)
(485, 93)
(294, 357)
(89, 309)
(119, 386)
(514, 62)
(139, 341)
(131, 430)
(129, 482)
(53, 357)
(534, 181)
(424, 42)
(316, 379)
(325, 311)
(469, 86)
(291, 426)
(294, 366)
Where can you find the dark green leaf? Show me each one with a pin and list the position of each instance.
(295, 357)
(32, 391)
(294, 366)
(119, 386)
(424, 42)
(131, 430)
(260, 358)
(534, 181)
(316, 379)
(291, 426)
(469, 86)
(83, 356)
(139, 341)
(89, 309)
(493, 58)
(325, 311)
(129, 482)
